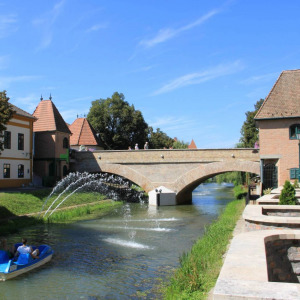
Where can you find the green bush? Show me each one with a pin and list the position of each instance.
(240, 192)
(296, 184)
(288, 194)
(267, 191)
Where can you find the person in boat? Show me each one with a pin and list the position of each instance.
(24, 249)
(4, 247)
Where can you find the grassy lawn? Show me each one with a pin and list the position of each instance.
(199, 268)
(14, 204)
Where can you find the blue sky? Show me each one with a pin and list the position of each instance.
(193, 68)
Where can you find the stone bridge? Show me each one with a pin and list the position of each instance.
(180, 171)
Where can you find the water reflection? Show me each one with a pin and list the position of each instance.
(121, 256)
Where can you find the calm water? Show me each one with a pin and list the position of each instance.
(121, 256)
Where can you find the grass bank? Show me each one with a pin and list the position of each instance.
(199, 268)
(81, 205)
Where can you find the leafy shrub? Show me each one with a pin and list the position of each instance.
(288, 194)
(267, 191)
(296, 184)
(239, 192)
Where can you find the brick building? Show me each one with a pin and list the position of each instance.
(51, 143)
(278, 121)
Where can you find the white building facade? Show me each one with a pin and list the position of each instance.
(16, 163)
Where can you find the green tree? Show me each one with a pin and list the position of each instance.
(180, 145)
(249, 130)
(158, 139)
(288, 194)
(118, 123)
(6, 112)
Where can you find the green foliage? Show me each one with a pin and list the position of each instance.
(249, 130)
(199, 269)
(118, 123)
(231, 177)
(267, 191)
(288, 194)
(6, 112)
(296, 184)
(180, 145)
(158, 139)
(240, 192)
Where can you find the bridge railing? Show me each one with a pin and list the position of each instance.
(168, 155)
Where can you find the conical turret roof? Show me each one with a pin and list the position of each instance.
(49, 118)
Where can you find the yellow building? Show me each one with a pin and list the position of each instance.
(16, 162)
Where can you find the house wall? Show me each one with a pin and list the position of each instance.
(14, 157)
(275, 143)
(48, 149)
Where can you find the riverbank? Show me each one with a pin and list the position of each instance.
(19, 209)
(200, 267)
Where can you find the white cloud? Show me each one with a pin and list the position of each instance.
(199, 77)
(46, 23)
(69, 115)
(8, 80)
(96, 27)
(7, 25)
(28, 103)
(260, 78)
(4, 61)
(168, 33)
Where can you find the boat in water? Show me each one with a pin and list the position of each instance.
(10, 268)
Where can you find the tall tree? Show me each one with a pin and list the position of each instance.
(158, 139)
(6, 112)
(249, 130)
(180, 145)
(118, 123)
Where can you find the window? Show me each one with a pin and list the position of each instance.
(294, 129)
(7, 140)
(6, 171)
(20, 141)
(20, 171)
(65, 143)
(65, 171)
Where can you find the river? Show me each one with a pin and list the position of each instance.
(122, 256)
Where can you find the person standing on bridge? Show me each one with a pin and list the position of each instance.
(146, 146)
(136, 147)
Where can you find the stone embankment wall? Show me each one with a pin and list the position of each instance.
(283, 260)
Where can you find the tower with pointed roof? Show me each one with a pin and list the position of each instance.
(51, 143)
(278, 120)
(192, 145)
(84, 136)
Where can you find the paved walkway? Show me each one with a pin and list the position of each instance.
(239, 228)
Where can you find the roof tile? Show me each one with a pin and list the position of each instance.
(283, 100)
(49, 118)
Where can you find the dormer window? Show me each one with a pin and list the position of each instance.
(295, 132)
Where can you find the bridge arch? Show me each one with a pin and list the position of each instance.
(190, 180)
(128, 173)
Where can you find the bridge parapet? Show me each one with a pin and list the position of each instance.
(169, 156)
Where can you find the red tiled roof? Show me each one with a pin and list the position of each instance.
(192, 145)
(283, 100)
(83, 133)
(49, 118)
